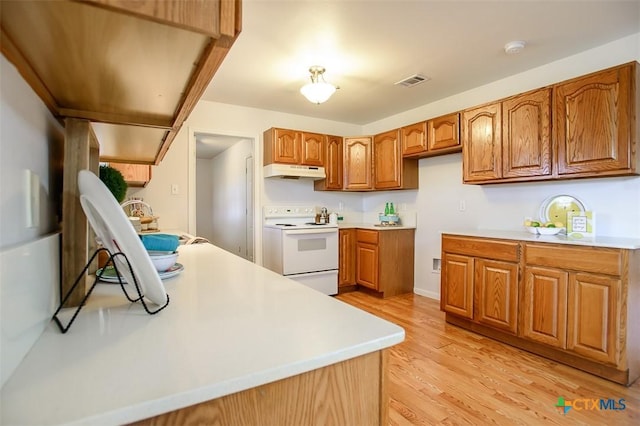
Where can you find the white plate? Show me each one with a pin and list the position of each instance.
(110, 276)
(116, 234)
(555, 208)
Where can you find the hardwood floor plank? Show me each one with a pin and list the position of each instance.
(444, 375)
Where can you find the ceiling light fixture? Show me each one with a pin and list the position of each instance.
(514, 47)
(318, 91)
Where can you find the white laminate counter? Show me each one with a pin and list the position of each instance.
(373, 227)
(598, 241)
(230, 326)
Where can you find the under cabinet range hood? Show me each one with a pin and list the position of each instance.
(293, 171)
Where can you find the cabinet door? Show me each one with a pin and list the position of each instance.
(456, 285)
(414, 139)
(526, 135)
(347, 257)
(313, 149)
(387, 167)
(286, 147)
(367, 265)
(592, 122)
(444, 133)
(496, 294)
(481, 148)
(333, 168)
(545, 306)
(134, 174)
(357, 163)
(593, 317)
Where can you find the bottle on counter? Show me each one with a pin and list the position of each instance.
(386, 209)
(392, 210)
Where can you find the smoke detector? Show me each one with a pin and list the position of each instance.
(514, 47)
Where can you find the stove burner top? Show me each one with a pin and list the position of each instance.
(313, 223)
(285, 224)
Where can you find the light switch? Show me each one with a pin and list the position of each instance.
(174, 189)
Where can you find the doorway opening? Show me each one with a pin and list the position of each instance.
(224, 192)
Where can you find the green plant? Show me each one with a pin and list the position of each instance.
(114, 180)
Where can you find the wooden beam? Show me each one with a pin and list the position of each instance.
(78, 155)
(132, 119)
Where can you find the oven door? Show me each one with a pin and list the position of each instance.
(309, 250)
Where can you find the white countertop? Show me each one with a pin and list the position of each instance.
(373, 226)
(230, 326)
(598, 241)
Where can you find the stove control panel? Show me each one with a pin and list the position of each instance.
(289, 211)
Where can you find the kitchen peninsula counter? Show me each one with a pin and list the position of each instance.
(598, 241)
(230, 327)
(373, 227)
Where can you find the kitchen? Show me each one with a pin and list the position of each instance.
(442, 202)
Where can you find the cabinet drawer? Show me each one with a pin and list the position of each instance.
(480, 247)
(366, 236)
(585, 259)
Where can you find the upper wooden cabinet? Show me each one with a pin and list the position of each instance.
(334, 165)
(508, 139)
(482, 149)
(595, 123)
(73, 56)
(526, 135)
(136, 175)
(390, 170)
(287, 146)
(594, 131)
(358, 164)
(436, 136)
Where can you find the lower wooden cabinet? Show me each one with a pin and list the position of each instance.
(478, 288)
(384, 260)
(347, 257)
(575, 304)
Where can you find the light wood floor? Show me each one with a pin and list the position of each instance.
(442, 374)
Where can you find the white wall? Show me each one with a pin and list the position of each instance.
(30, 139)
(615, 200)
(204, 198)
(229, 198)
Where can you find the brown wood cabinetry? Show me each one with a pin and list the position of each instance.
(436, 136)
(595, 125)
(544, 306)
(526, 135)
(577, 303)
(482, 148)
(334, 165)
(347, 257)
(287, 146)
(594, 131)
(384, 260)
(137, 175)
(390, 169)
(480, 281)
(358, 164)
(508, 139)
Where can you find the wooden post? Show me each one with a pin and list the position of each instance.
(80, 152)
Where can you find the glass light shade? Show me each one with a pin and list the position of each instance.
(318, 92)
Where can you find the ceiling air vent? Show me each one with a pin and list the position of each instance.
(412, 80)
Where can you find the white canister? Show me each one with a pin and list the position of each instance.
(333, 218)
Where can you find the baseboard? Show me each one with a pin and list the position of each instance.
(425, 293)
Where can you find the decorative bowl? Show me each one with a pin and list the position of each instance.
(390, 218)
(539, 230)
(163, 260)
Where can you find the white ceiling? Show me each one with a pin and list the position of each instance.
(366, 46)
